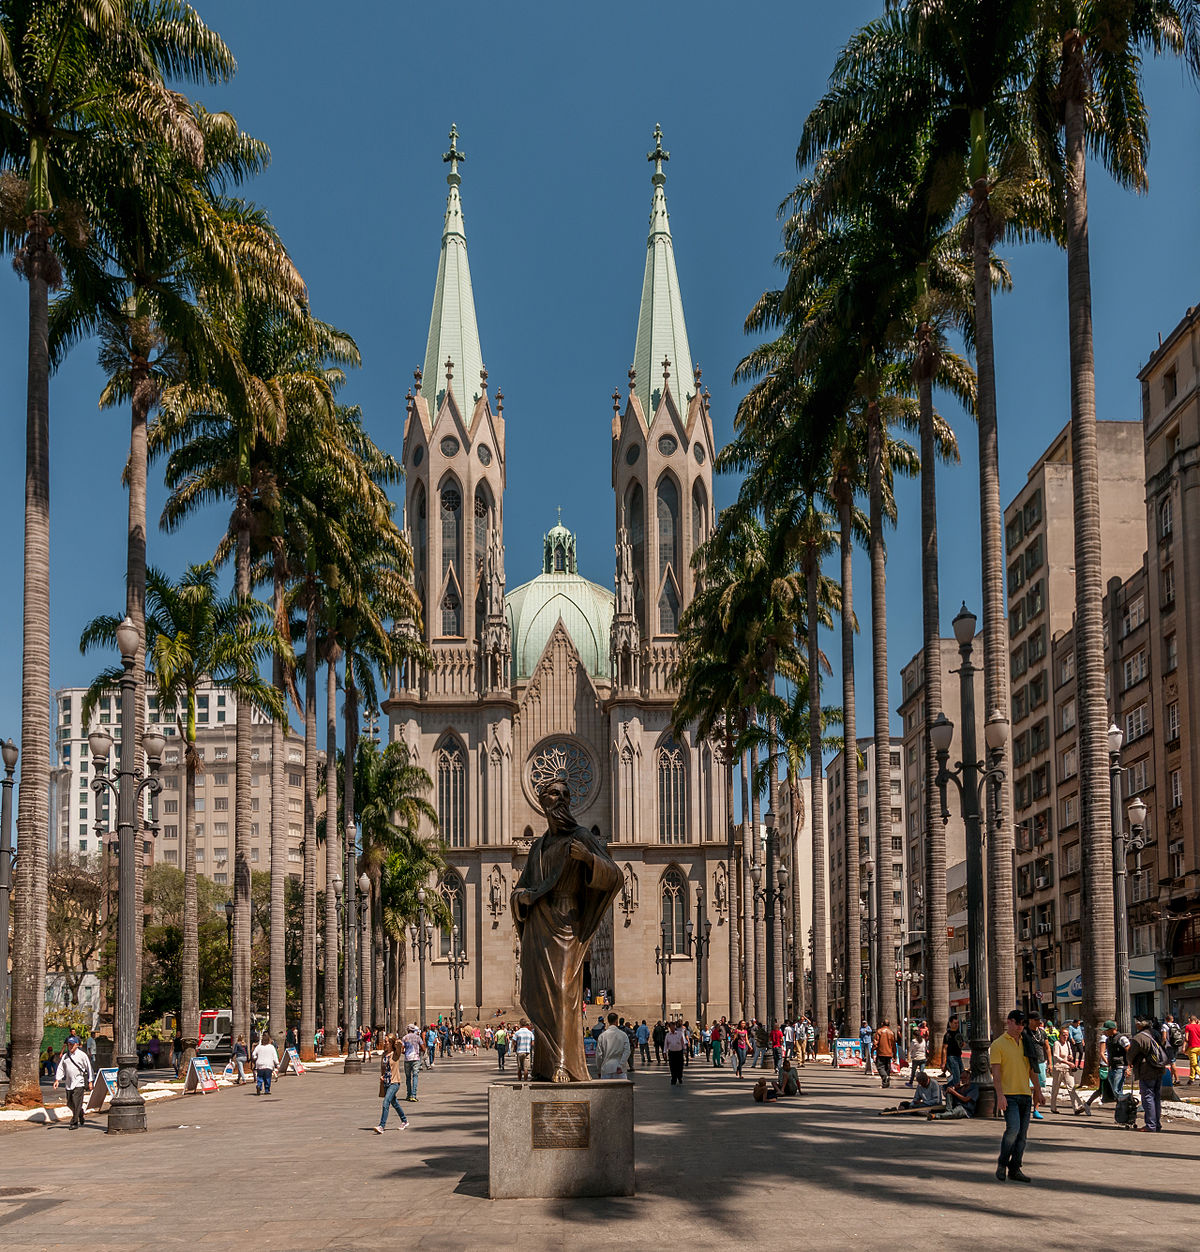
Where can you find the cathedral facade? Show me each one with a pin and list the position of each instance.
(561, 676)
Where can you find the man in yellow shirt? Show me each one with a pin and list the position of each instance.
(1014, 1079)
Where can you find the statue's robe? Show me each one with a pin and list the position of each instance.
(568, 902)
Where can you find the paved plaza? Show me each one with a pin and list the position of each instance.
(301, 1169)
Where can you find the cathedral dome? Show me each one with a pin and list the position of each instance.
(560, 591)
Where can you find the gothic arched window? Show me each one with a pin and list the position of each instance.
(668, 555)
(452, 793)
(672, 793)
(455, 894)
(451, 513)
(674, 915)
(635, 519)
(699, 515)
(483, 522)
(421, 553)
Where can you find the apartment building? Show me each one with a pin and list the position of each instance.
(887, 849)
(1040, 547)
(83, 820)
(1169, 916)
(912, 721)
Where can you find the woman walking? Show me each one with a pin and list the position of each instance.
(717, 1039)
(675, 1043)
(741, 1041)
(241, 1058)
(391, 1067)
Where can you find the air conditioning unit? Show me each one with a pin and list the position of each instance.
(1044, 928)
(1043, 882)
(1176, 847)
(1025, 933)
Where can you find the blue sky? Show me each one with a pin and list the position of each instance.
(555, 106)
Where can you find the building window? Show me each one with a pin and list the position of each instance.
(1135, 668)
(1168, 585)
(1170, 385)
(1171, 647)
(1137, 722)
(1165, 521)
(1068, 716)
(455, 896)
(221, 804)
(295, 779)
(452, 794)
(672, 793)
(1070, 763)
(668, 556)
(1070, 810)
(451, 514)
(674, 912)
(1134, 615)
(1137, 777)
(1176, 788)
(1172, 721)
(1067, 667)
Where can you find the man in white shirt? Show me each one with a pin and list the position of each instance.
(74, 1069)
(612, 1051)
(523, 1048)
(266, 1061)
(412, 1061)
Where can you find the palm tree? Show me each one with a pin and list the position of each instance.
(1089, 85)
(216, 433)
(194, 637)
(72, 75)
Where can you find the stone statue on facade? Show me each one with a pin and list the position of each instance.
(558, 904)
(624, 573)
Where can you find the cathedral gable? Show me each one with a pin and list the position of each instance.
(560, 695)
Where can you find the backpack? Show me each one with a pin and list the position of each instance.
(1175, 1037)
(1156, 1055)
(1126, 1110)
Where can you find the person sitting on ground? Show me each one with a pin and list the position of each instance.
(961, 1099)
(789, 1083)
(764, 1092)
(927, 1095)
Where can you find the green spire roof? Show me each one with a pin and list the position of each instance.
(661, 332)
(453, 333)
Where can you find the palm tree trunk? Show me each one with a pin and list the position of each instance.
(775, 938)
(735, 954)
(884, 939)
(377, 941)
(749, 980)
(243, 739)
(189, 1008)
(351, 752)
(937, 953)
(1097, 957)
(33, 817)
(308, 959)
(279, 837)
(820, 962)
(135, 591)
(333, 857)
(1001, 937)
(796, 808)
(760, 924)
(852, 959)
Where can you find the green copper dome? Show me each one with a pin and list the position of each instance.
(559, 591)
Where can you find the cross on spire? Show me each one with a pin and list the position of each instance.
(449, 371)
(560, 514)
(658, 156)
(453, 156)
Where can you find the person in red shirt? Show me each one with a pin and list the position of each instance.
(1191, 1036)
(776, 1046)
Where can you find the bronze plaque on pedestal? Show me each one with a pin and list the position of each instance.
(561, 1124)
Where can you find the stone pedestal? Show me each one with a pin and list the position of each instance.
(551, 1140)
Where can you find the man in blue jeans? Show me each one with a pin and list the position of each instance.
(1146, 1055)
(1018, 1091)
(1116, 1046)
(411, 1042)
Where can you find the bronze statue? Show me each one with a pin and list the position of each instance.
(559, 902)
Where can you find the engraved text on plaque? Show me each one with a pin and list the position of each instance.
(560, 1123)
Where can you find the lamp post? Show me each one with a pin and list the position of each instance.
(662, 961)
(1123, 844)
(868, 869)
(229, 943)
(127, 1113)
(458, 960)
(8, 750)
(699, 939)
(774, 891)
(364, 948)
(421, 937)
(971, 777)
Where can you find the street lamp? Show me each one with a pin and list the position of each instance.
(699, 934)
(339, 888)
(971, 777)
(458, 961)
(229, 941)
(1123, 844)
(353, 1063)
(422, 935)
(662, 962)
(868, 869)
(127, 1113)
(774, 891)
(8, 750)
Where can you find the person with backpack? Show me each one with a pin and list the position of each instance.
(1172, 1038)
(74, 1069)
(885, 1051)
(1148, 1061)
(1115, 1047)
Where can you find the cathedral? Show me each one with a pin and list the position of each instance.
(560, 676)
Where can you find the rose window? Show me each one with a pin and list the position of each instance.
(565, 760)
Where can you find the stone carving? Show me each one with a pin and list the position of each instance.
(561, 898)
(563, 759)
(624, 573)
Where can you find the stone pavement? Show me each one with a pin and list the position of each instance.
(301, 1170)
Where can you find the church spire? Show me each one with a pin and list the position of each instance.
(661, 332)
(453, 333)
